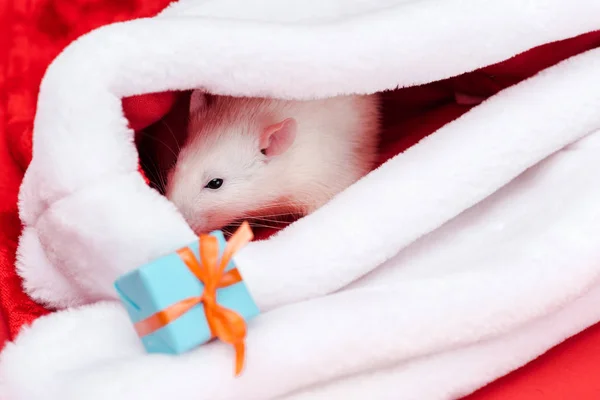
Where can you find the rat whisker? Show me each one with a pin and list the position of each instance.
(177, 144)
(273, 220)
(257, 225)
(161, 142)
(152, 170)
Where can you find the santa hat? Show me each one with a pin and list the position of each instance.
(455, 262)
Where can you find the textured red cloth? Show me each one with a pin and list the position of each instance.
(33, 32)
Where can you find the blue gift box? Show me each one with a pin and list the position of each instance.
(167, 281)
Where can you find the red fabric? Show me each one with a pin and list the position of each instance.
(144, 111)
(569, 371)
(32, 33)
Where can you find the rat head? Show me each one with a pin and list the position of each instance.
(227, 169)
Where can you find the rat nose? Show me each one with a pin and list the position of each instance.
(193, 218)
(182, 199)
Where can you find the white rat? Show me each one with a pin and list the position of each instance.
(254, 157)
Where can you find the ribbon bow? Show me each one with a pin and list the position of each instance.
(224, 324)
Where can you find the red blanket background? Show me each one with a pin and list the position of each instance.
(33, 32)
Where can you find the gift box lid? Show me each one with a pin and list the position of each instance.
(166, 281)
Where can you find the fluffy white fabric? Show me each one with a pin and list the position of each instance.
(452, 264)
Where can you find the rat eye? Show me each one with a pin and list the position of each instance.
(214, 184)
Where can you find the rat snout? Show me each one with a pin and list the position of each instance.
(205, 222)
(184, 204)
(192, 215)
(189, 208)
(184, 199)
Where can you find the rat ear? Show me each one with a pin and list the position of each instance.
(277, 138)
(198, 102)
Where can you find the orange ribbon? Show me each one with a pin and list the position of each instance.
(225, 324)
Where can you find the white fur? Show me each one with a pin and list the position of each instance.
(335, 145)
(484, 256)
